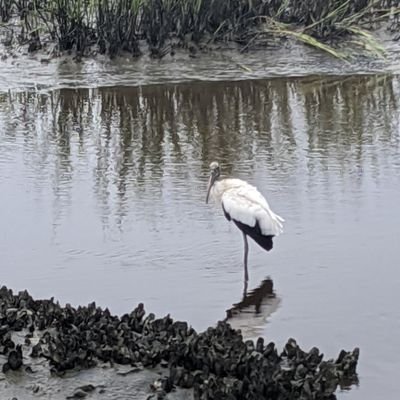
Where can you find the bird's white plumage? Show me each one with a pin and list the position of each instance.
(244, 203)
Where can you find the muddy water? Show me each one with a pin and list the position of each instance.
(40, 72)
(103, 198)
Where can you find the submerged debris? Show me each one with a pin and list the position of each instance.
(217, 363)
(113, 27)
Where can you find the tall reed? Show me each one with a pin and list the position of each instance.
(115, 26)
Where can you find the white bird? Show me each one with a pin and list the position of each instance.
(243, 204)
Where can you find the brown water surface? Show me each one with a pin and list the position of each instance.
(103, 198)
(39, 72)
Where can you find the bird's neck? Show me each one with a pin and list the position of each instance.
(219, 187)
(217, 190)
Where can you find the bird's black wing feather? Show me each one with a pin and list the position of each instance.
(265, 241)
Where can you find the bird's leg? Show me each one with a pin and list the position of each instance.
(246, 252)
(244, 290)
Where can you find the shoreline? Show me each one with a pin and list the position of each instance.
(157, 29)
(28, 72)
(216, 364)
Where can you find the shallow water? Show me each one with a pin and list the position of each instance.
(39, 72)
(103, 198)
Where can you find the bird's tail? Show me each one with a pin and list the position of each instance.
(265, 241)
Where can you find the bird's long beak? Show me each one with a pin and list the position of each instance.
(210, 183)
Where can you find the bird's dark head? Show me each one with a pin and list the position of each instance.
(215, 172)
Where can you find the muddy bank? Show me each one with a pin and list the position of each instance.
(159, 28)
(41, 73)
(215, 364)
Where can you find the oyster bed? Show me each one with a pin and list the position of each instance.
(214, 364)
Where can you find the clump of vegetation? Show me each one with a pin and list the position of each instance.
(115, 26)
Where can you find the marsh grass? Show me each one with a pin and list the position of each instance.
(116, 26)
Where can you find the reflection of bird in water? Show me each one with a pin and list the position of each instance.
(247, 208)
(250, 314)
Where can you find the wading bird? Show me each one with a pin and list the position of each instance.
(243, 204)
